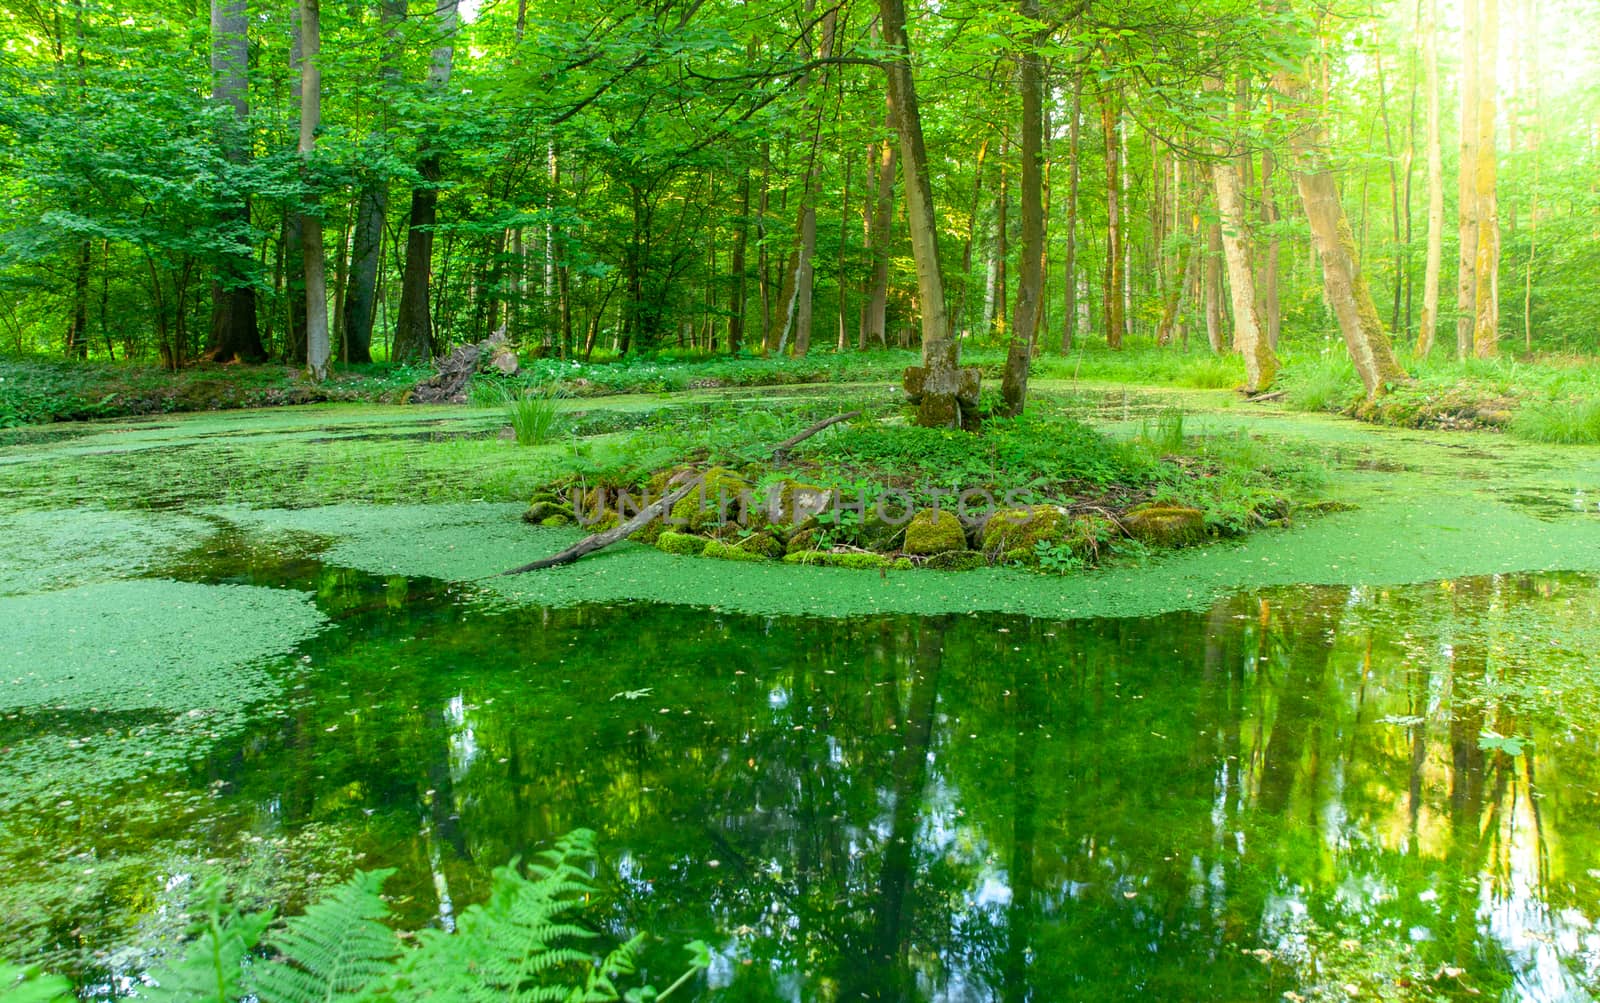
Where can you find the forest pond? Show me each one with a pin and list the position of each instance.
(1304, 790)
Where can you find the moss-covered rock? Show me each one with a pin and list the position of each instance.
(1023, 528)
(731, 552)
(1089, 534)
(803, 540)
(956, 560)
(649, 533)
(680, 543)
(764, 544)
(717, 500)
(557, 521)
(795, 503)
(543, 509)
(934, 531)
(1165, 525)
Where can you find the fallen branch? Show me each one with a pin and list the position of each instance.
(1273, 396)
(783, 447)
(600, 541)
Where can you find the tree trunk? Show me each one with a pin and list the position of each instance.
(1110, 126)
(1213, 289)
(1030, 270)
(958, 317)
(234, 334)
(1342, 281)
(1272, 311)
(1486, 269)
(873, 330)
(78, 327)
(941, 379)
(1260, 364)
(1002, 243)
(414, 334)
(311, 222)
(1069, 269)
(1435, 255)
(1467, 185)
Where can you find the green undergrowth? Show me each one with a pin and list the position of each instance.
(1553, 401)
(34, 391)
(532, 939)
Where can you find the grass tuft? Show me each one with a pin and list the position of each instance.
(536, 416)
(1565, 422)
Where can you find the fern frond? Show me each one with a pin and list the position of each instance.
(30, 985)
(212, 967)
(338, 948)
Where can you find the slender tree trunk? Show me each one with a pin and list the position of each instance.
(958, 316)
(317, 346)
(1261, 364)
(414, 335)
(1272, 311)
(234, 334)
(1069, 269)
(1467, 185)
(1213, 289)
(881, 232)
(1486, 329)
(941, 377)
(1435, 254)
(78, 326)
(1030, 278)
(1115, 301)
(1002, 242)
(294, 263)
(736, 298)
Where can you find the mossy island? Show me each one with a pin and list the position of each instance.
(1044, 491)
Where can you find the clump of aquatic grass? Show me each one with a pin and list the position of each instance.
(1567, 422)
(489, 393)
(1165, 435)
(536, 415)
(1210, 373)
(1327, 383)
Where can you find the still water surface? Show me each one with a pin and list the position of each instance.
(1308, 791)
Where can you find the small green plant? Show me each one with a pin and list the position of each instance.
(536, 416)
(1056, 557)
(524, 943)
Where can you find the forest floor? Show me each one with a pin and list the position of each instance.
(1550, 399)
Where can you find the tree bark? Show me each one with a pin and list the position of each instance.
(873, 330)
(1342, 281)
(1069, 268)
(1030, 277)
(372, 208)
(1435, 253)
(1110, 126)
(941, 379)
(1467, 185)
(311, 222)
(1486, 269)
(1261, 364)
(234, 333)
(414, 335)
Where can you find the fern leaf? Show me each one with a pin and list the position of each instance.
(30, 985)
(212, 967)
(338, 948)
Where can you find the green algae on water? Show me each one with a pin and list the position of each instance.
(78, 546)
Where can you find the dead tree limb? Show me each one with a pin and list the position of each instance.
(600, 541)
(655, 510)
(783, 447)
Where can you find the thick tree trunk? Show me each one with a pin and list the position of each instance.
(1115, 302)
(1030, 269)
(234, 334)
(414, 334)
(1435, 253)
(360, 302)
(317, 344)
(1467, 185)
(940, 380)
(1486, 269)
(1342, 281)
(1069, 268)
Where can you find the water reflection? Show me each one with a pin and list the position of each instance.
(1293, 792)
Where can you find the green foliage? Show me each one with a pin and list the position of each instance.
(1056, 556)
(1165, 435)
(30, 985)
(338, 947)
(526, 943)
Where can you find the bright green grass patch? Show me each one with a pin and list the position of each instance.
(1563, 422)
